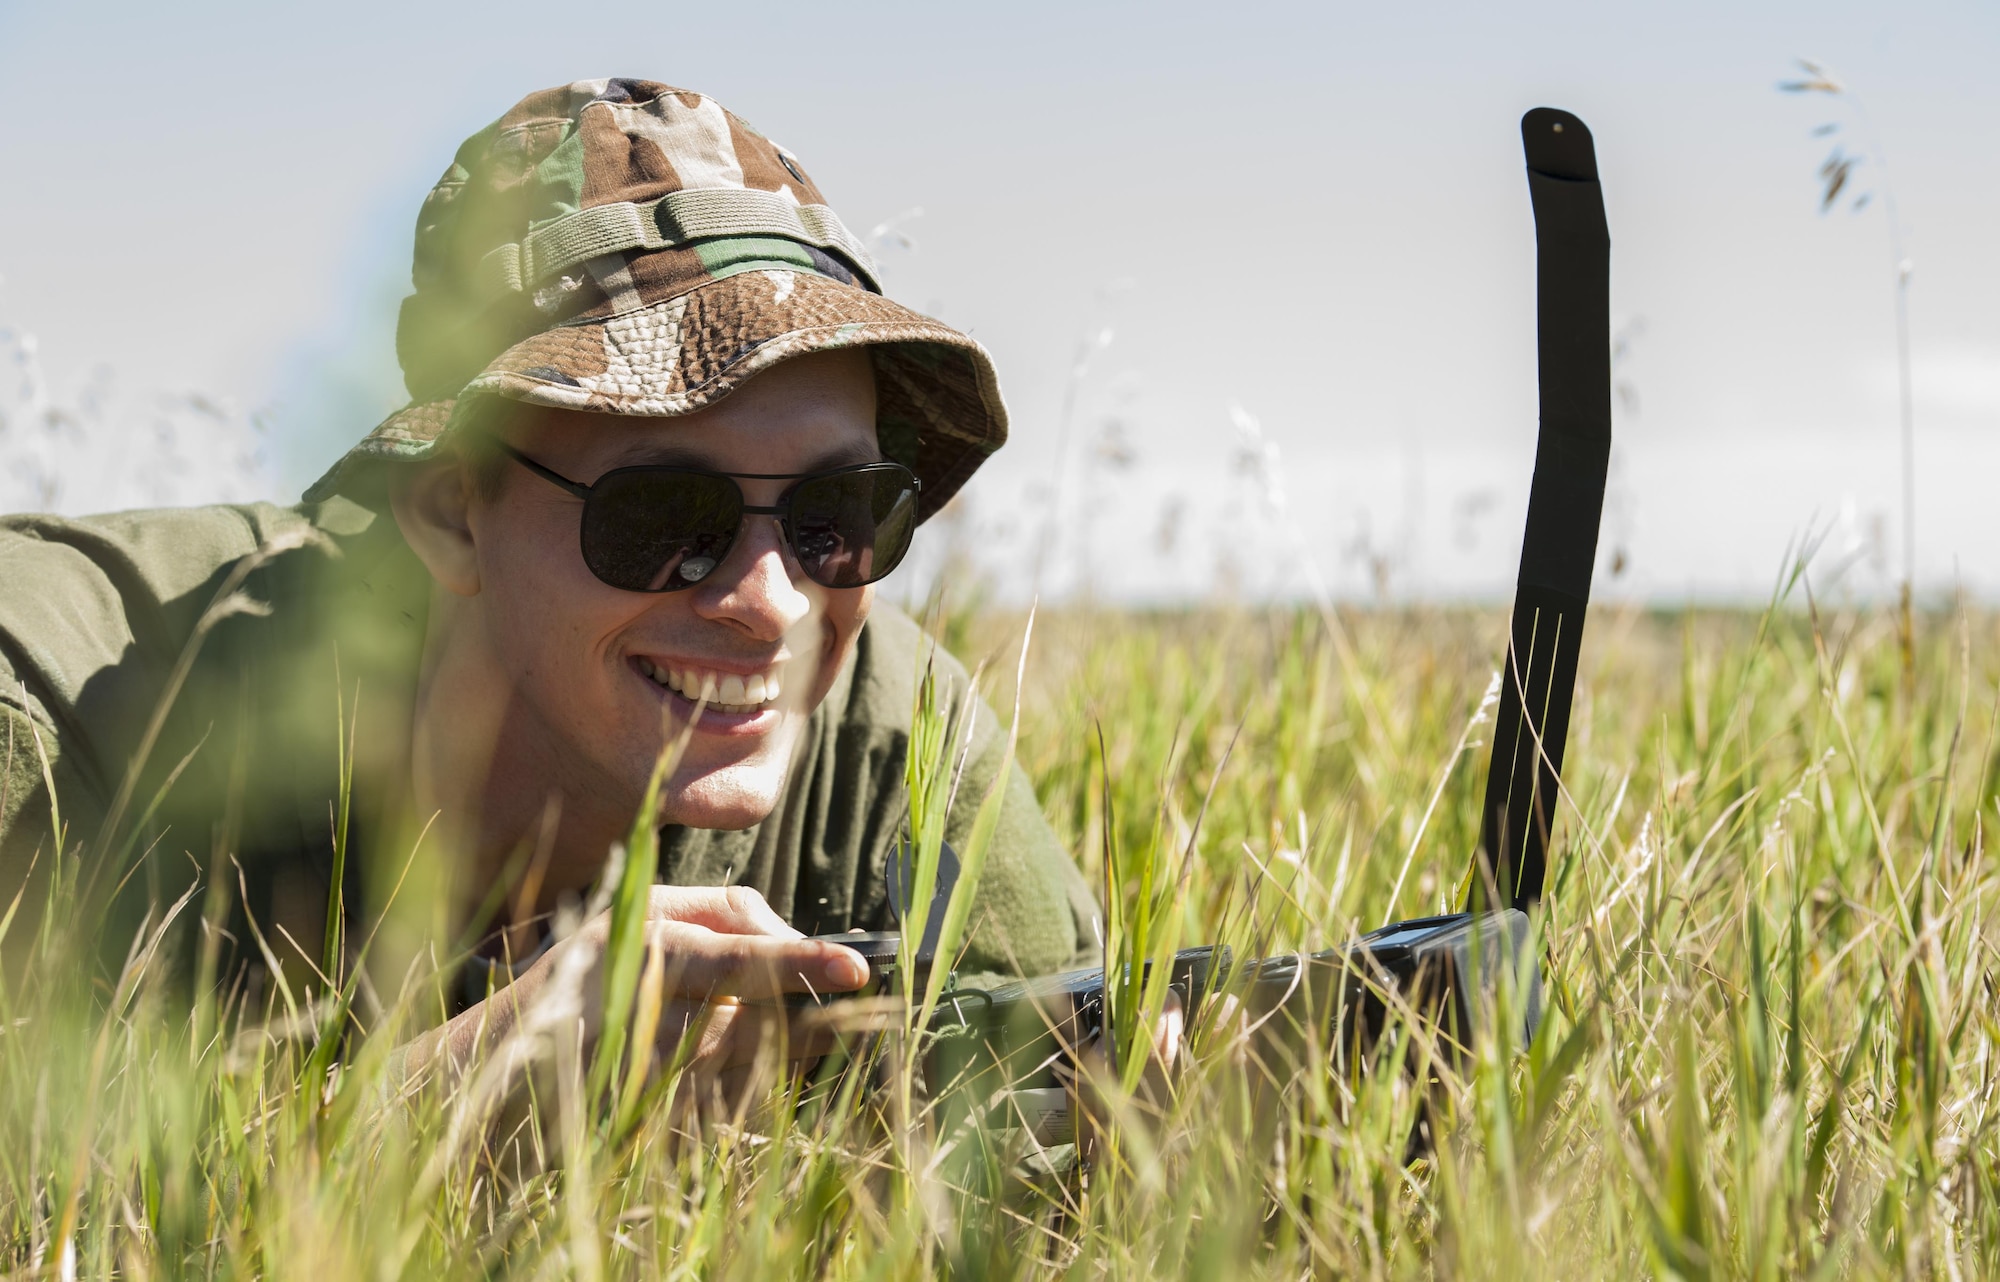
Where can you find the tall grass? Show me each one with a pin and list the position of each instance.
(1768, 1049)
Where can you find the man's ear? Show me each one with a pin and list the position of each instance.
(432, 502)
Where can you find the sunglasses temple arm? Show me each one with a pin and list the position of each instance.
(555, 478)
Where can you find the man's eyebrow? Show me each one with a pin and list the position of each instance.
(658, 454)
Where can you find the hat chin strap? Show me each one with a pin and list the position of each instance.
(676, 219)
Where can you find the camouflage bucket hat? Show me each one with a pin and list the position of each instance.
(624, 247)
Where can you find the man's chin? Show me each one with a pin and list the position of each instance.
(724, 799)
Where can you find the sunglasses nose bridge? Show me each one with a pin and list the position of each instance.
(787, 551)
(780, 516)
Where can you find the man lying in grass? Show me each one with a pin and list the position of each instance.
(665, 433)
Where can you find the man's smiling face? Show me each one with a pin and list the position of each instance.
(590, 668)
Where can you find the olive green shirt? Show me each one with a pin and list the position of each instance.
(317, 609)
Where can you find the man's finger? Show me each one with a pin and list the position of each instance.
(728, 910)
(703, 962)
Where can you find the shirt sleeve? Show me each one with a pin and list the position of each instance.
(1034, 913)
(30, 755)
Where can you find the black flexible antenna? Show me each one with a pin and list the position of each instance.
(1573, 338)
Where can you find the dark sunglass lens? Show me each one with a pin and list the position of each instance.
(655, 530)
(851, 528)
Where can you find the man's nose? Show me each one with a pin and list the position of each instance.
(754, 589)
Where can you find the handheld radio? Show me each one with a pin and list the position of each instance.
(1440, 969)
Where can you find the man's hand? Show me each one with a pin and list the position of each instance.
(719, 947)
(716, 946)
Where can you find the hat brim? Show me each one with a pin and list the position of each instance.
(938, 403)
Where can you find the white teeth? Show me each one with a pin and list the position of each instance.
(726, 692)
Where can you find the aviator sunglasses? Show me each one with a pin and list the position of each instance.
(662, 529)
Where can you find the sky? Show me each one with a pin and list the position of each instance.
(1258, 277)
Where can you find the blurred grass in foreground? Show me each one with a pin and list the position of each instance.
(1769, 977)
